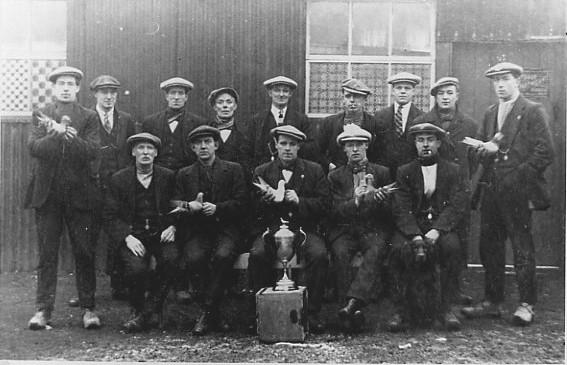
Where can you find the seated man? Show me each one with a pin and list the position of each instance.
(212, 192)
(135, 214)
(360, 219)
(303, 204)
(428, 207)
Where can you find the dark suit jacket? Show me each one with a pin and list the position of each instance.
(237, 148)
(457, 129)
(374, 217)
(48, 150)
(156, 124)
(527, 140)
(390, 150)
(228, 193)
(448, 202)
(331, 127)
(120, 204)
(259, 134)
(309, 182)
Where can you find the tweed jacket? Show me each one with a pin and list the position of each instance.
(374, 217)
(120, 205)
(331, 127)
(447, 205)
(308, 181)
(227, 191)
(52, 155)
(525, 151)
(390, 150)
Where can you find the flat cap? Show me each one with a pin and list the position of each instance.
(65, 71)
(280, 80)
(444, 81)
(426, 128)
(223, 90)
(104, 81)
(204, 131)
(176, 82)
(355, 86)
(352, 132)
(504, 68)
(143, 137)
(288, 130)
(404, 77)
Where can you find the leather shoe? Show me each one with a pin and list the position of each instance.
(397, 324)
(39, 321)
(463, 299)
(451, 321)
(202, 325)
(136, 323)
(358, 321)
(484, 309)
(316, 325)
(73, 302)
(352, 306)
(524, 315)
(90, 320)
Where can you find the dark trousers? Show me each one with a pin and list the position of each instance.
(373, 249)
(506, 214)
(449, 259)
(314, 257)
(50, 219)
(210, 255)
(137, 271)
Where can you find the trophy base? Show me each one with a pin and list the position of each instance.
(285, 284)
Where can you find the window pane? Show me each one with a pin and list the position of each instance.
(411, 35)
(370, 28)
(14, 27)
(328, 28)
(421, 97)
(49, 26)
(374, 75)
(325, 87)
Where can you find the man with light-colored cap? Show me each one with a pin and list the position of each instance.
(393, 148)
(428, 206)
(136, 218)
(173, 124)
(359, 221)
(280, 90)
(63, 142)
(212, 196)
(458, 125)
(355, 93)
(298, 192)
(516, 151)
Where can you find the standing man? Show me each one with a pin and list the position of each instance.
(458, 125)
(212, 193)
(115, 126)
(302, 200)
(360, 221)
(393, 148)
(135, 216)
(173, 124)
(428, 207)
(64, 140)
(514, 156)
(355, 94)
(280, 89)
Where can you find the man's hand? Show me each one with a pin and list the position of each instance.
(381, 194)
(268, 195)
(168, 235)
(135, 245)
(433, 235)
(70, 133)
(359, 193)
(488, 148)
(209, 208)
(291, 196)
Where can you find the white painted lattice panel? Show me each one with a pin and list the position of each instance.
(15, 86)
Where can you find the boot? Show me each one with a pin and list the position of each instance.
(202, 325)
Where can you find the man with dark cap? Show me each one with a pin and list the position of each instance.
(173, 124)
(360, 221)
(280, 89)
(355, 93)
(428, 207)
(135, 216)
(393, 148)
(514, 156)
(212, 195)
(63, 141)
(302, 199)
(458, 125)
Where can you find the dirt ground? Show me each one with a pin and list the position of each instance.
(480, 341)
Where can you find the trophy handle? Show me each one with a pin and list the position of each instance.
(265, 234)
(301, 232)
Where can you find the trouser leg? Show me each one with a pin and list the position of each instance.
(316, 263)
(260, 265)
(450, 265)
(373, 248)
(397, 270)
(343, 249)
(136, 271)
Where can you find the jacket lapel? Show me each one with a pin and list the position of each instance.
(296, 181)
(510, 126)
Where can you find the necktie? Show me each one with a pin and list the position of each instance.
(280, 117)
(107, 126)
(398, 121)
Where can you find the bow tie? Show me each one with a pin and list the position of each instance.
(358, 167)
